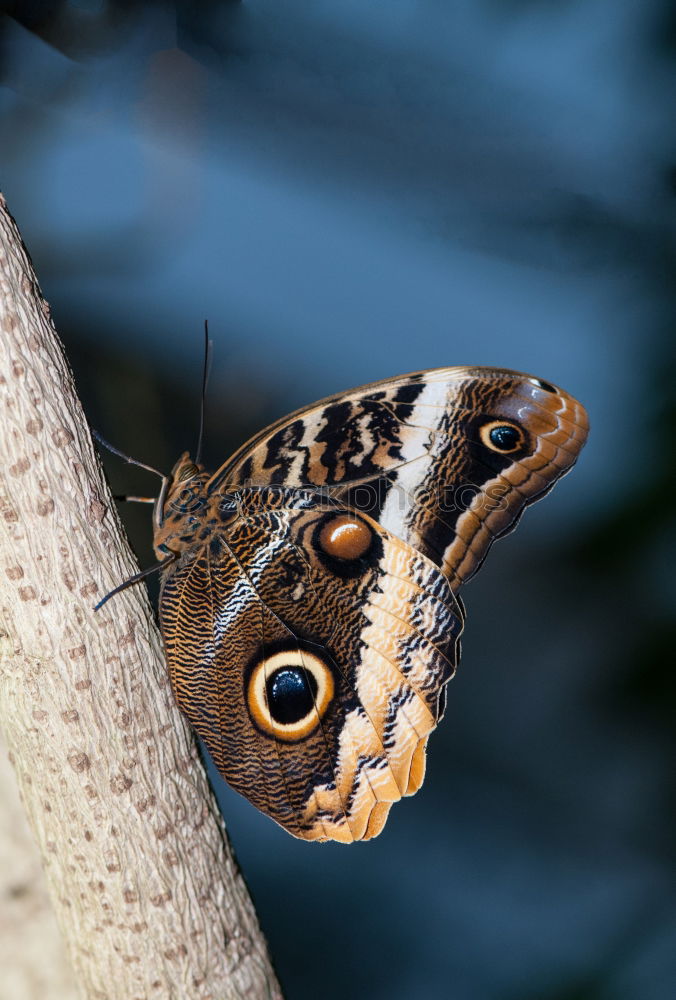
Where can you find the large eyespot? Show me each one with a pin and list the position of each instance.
(502, 436)
(346, 544)
(288, 693)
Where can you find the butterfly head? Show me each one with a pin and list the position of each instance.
(179, 505)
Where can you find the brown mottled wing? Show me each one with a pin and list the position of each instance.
(416, 454)
(369, 642)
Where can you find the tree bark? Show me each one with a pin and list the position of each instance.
(141, 877)
(33, 961)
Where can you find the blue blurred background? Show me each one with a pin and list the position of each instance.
(353, 190)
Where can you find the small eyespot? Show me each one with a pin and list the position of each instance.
(547, 386)
(288, 694)
(345, 537)
(498, 435)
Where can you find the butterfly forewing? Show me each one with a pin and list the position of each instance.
(446, 459)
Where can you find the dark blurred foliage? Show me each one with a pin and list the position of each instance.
(353, 190)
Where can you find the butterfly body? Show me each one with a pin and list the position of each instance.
(310, 613)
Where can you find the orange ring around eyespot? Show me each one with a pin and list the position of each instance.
(485, 432)
(256, 695)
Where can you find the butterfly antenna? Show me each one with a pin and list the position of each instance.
(205, 382)
(127, 458)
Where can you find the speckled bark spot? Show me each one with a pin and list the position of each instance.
(38, 715)
(79, 761)
(89, 590)
(128, 637)
(120, 784)
(47, 807)
(173, 953)
(82, 685)
(96, 511)
(10, 322)
(17, 369)
(88, 835)
(170, 858)
(18, 469)
(10, 515)
(124, 720)
(14, 572)
(34, 426)
(70, 715)
(61, 437)
(27, 593)
(45, 507)
(77, 653)
(69, 580)
(130, 896)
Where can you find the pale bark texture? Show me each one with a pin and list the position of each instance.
(143, 884)
(33, 962)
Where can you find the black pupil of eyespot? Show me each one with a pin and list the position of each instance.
(291, 694)
(504, 437)
(544, 385)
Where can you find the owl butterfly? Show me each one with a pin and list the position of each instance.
(309, 598)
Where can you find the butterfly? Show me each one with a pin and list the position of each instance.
(309, 600)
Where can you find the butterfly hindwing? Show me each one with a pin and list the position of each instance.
(312, 671)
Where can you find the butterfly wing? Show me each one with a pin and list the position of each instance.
(310, 648)
(446, 459)
(312, 665)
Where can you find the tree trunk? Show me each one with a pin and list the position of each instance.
(33, 962)
(141, 877)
